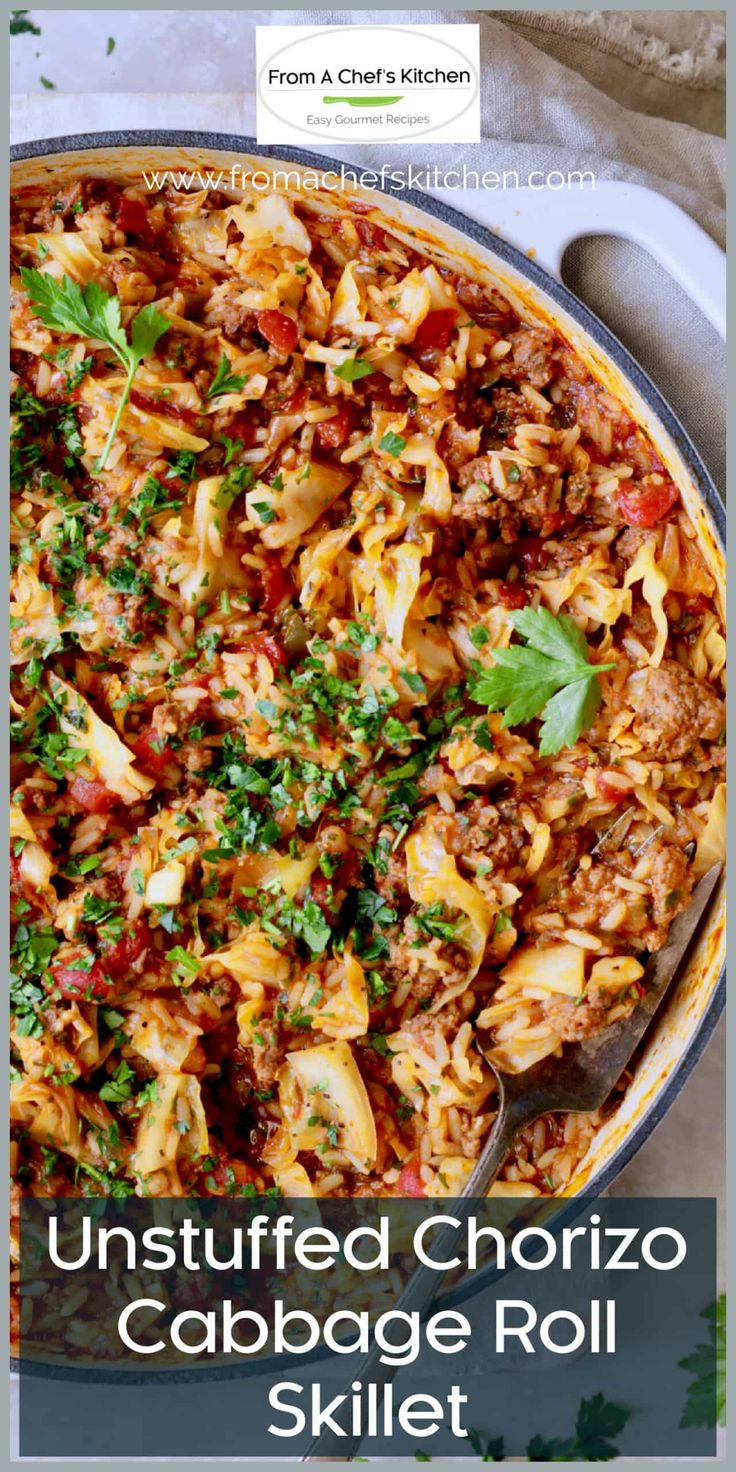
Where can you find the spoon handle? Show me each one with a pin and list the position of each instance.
(425, 1282)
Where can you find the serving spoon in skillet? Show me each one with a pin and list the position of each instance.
(580, 1081)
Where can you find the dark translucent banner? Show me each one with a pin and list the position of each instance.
(238, 1327)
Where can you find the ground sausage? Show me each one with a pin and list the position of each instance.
(531, 356)
(671, 879)
(676, 711)
(574, 1021)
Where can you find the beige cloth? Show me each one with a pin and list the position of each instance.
(667, 63)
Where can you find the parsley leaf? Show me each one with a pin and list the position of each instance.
(706, 1396)
(597, 1421)
(492, 1450)
(314, 928)
(352, 369)
(88, 311)
(183, 466)
(119, 1086)
(19, 26)
(548, 675)
(393, 444)
(266, 513)
(225, 382)
(150, 501)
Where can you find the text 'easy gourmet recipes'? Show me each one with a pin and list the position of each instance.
(347, 610)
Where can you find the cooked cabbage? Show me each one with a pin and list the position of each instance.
(252, 957)
(166, 885)
(78, 252)
(654, 587)
(711, 847)
(177, 1102)
(283, 516)
(347, 300)
(270, 220)
(33, 613)
(556, 968)
(210, 518)
(331, 1086)
(437, 498)
(397, 583)
(162, 1034)
(106, 753)
(434, 878)
(345, 1011)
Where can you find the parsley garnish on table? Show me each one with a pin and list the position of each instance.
(20, 26)
(88, 311)
(706, 1396)
(549, 674)
(597, 1421)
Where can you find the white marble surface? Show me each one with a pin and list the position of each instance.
(171, 56)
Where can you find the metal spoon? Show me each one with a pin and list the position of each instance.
(579, 1081)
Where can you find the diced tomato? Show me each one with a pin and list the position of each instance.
(348, 871)
(613, 786)
(370, 234)
(118, 958)
(381, 395)
(152, 752)
(165, 407)
(296, 401)
(278, 329)
(644, 505)
(513, 595)
(276, 582)
(94, 797)
(272, 647)
(243, 427)
(345, 876)
(333, 432)
(132, 216)
(410, 1182)
(553, 523)
(322, 891)
(74, 983)
(532, 553)
(436, 330)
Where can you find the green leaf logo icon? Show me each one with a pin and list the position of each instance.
(365, 101)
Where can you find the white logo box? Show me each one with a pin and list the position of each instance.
(368, 84)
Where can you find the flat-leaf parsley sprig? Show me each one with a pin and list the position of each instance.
(88, 311)
(549, 674)
(224, 381)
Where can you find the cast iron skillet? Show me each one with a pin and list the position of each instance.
(630, 369)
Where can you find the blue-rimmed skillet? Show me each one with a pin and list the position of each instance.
(685, 1024)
